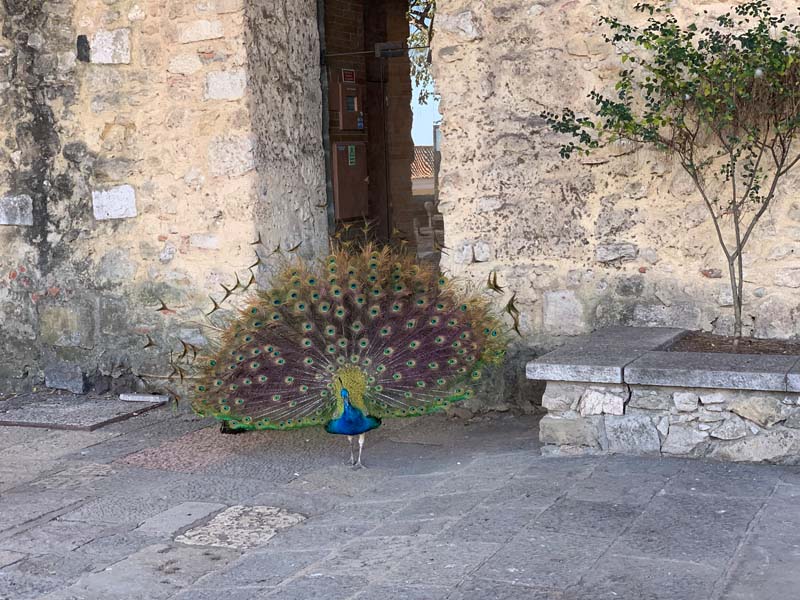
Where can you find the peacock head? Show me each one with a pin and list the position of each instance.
(350, 385)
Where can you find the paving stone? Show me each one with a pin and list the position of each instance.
(155, 572)
(9, 558)
(321, 586)
(710, 370)
(619, 488)
(541, 559)
(615, 577)
(22, 471)
(582, 517)
(317, 533)
(780, 516)
(56, 537)
(422, 527)
(17, 586)
(725, 479)
(766, 567)
(171, 521)
(126, 508)
(241, 527)
(69, 412)
(440, 561)
(262, 570)
(697, 529)
(488, 525)
(484, 589)
(406, 592)
(200, 593)
(17, 509)
(432, 507)
(368, 512)
(530, 492)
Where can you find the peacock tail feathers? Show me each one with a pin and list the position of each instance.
(404, 340)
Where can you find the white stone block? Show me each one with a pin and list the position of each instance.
(185, 64)
(111, 47)
(199, 31)
(226, 85)
(685, 401)
(115, 203)
(16, 210)
(143, 398)
(204, 241)
(600, 402)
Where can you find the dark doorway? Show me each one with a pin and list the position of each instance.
(371, 150)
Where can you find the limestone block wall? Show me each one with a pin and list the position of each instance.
(617, 238)
(729, 425)
(144, 145)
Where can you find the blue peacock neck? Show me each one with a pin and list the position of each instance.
(351, 416)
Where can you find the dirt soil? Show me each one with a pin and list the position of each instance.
(699, 341)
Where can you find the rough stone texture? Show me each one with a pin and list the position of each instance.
(510, 524)
(119, 165)
(632, 434)
(601, 402)
(65, 376)
(241, 527)
(563, 313)
(711, 370)
(683, 440)
(765, 411)
(731, 425)
(16, 210)
(111, 47)
(685, 401)
(114, 203)
(588, 431)
(198, 31)
(623, 229)
(226, 85)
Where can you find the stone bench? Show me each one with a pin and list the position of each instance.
(619, 391)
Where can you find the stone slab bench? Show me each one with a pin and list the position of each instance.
(619, 390)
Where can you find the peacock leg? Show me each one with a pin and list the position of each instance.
(352, 455)
(360, 449)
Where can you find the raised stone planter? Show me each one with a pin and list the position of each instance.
(618, 391)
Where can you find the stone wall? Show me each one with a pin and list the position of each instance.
(730, 425)
(145, 145)
(618, 238)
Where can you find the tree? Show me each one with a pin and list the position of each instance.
(421, 14)
(724, 100)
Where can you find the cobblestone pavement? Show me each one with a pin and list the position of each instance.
(165, 507)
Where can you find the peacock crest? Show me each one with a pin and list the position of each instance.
(363, 334)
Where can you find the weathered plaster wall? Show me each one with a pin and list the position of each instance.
(145, 174)
(615, 238)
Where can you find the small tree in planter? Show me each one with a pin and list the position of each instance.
(724, 100)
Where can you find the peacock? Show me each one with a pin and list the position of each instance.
(346, 341)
